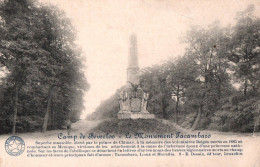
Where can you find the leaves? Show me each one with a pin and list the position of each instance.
(38, 51)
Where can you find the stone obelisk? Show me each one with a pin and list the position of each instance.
(133, 68)
(132, 100)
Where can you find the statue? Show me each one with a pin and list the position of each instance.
(144, 102)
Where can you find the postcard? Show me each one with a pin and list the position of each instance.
(163, 83)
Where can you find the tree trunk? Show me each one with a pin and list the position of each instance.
(219, 89)
(257, 119)
(256, 125)
(46, 117)
(164, 113)
(15, 109)
(245, 87)
(197, 118)
(177, 104)
(164, 108)
(175, 114)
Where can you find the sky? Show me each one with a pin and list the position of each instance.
(104, 28)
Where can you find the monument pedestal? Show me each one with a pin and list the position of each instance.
(133, 105)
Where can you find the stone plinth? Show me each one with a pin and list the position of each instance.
(133, 104)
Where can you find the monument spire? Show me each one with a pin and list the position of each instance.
(133, 68)
(133, 55)
(132, 99)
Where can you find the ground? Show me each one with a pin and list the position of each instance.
(122, 126)
(81, 126)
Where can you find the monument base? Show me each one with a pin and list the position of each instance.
(135, 115)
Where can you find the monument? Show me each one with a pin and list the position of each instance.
(133, 100)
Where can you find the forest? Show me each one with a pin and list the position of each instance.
(42, 79)
(214, 85)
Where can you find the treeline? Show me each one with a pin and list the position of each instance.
(42, 82)
(214, 85)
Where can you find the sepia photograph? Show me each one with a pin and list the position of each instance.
(126, 83)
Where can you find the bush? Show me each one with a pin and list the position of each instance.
(29, 123)
(188, 120)
(237, 115)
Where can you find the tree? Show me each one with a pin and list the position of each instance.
(207, 49)
(66, 74)
(38, 51)
(16, 45)
(244, 51)
(181, 75)
(153, 80)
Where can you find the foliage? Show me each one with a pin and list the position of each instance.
(38, 51)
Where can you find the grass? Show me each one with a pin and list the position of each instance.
(117, 126)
